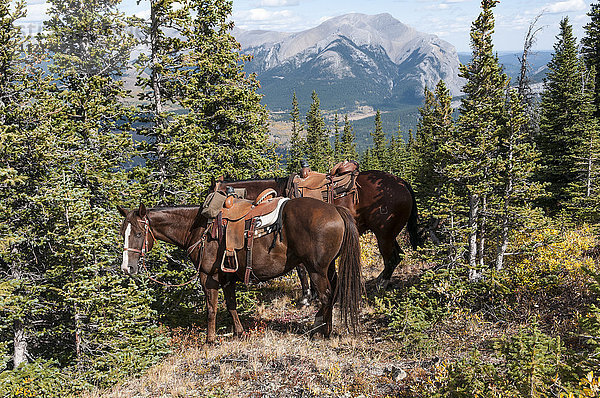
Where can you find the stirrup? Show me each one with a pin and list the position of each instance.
(226, 269)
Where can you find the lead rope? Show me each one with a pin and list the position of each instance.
(200, 243)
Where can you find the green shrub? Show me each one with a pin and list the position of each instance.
(39, 379)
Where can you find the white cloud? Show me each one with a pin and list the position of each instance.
(566, 6)
(262, 15)
(278, 3)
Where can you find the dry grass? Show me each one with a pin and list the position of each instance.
(277, 358)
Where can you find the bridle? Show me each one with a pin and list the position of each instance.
(148, 232)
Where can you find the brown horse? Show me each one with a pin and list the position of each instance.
(386, 204)
(312, 233)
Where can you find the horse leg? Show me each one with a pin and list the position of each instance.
(392, 254)
(211, 291)
(323, 318)
(231, 302)
(304, 282)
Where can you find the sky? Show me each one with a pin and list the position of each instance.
(449, 19)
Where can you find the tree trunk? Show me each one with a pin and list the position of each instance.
(20, 344)
(19, 335)
(590, 164)
(155, 77)
(473, 222)
(481, 232)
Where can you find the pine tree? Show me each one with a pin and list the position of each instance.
(566, 121)
(90, 50)
(591, 50)
(399, 159)
(318, 149)
(517, 189)
(480, 129)
(347, 144)
(224, 128)
(20, 173)
(440, 198)
(379, 152)
(586, 193)
(336, 140)
(297, 143)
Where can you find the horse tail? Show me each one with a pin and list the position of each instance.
(411, 226)
(349, 288)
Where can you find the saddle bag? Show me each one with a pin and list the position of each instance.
(213, 204)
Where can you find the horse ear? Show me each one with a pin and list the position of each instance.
(142, 210)
(123, 211)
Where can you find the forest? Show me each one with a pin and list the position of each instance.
(502, 299)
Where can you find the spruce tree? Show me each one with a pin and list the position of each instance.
(336, 139)
(399, 159)
(347, 144)
(90, 50)
(480, 128)
(591, 50)
(516, 186)
(318, 149)
(297, 143)
(379, 152)
(20, 172)
(223, 127)
(566, 123)
(440, 198)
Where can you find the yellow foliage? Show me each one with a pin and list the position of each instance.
(549, 251)
(590, 387)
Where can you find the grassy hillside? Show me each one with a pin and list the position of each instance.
(428, 335)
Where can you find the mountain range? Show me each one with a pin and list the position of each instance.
(350, 60)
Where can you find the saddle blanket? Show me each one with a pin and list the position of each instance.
(269, 219)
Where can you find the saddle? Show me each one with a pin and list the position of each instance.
(339, 182)
(240, 218)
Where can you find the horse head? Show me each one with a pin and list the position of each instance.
(138, 236)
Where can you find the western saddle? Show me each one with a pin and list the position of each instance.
(242, 221)
(339, 182)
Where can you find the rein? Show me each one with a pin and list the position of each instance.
(148, 232)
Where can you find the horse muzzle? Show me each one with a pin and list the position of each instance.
(130, 265)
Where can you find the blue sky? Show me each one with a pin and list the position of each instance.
(449, 19)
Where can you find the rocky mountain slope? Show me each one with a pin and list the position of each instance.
(350, 60)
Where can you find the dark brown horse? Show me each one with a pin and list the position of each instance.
(313, 233)
(386, 204)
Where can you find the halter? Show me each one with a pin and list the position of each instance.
(148, 232)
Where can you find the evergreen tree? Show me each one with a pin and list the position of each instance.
(399, 160)
(223, 129)
(440, 198)
(516, 187)
(586, 193)
(379, 152)
(591, 50)
(90, 50)
(566, 124)
(318, 149)
(297, 143)
(347, 144)
(20, 173)
(480, 128)
(336, 140)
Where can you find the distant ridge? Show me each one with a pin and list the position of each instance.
(350, 60)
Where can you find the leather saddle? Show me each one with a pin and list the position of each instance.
(340, 181)
(238, 216)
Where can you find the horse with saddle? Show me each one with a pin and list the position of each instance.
(231, 239)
